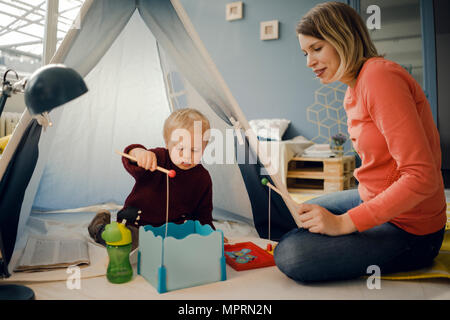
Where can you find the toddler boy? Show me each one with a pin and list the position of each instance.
(186, 135)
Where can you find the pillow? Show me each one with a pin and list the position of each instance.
(269, 129)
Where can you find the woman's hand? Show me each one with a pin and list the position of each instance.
(145, 159)
(317, 219)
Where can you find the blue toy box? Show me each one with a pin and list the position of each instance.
(192, 254)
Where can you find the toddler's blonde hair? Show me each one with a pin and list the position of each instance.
(184, 119)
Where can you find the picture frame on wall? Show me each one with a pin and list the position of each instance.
(234, 11)
(269, 30)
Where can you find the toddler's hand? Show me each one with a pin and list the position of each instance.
(145, 159)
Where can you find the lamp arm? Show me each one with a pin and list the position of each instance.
(7, 89)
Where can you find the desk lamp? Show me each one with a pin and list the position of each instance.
(47, 88)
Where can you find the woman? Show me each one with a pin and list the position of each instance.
(396, 218)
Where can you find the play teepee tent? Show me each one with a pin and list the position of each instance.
(140, 59)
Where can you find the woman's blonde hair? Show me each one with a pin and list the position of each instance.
(341, 26)
(184, 119)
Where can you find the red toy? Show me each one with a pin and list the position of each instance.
(246, 256)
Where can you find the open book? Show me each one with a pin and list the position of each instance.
(43, 254)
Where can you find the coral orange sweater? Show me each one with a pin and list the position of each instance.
(392, 129)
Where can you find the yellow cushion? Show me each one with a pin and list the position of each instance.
(3, 142)
(441, 264)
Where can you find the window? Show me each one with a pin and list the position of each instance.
(22, 27)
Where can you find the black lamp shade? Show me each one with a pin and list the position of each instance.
(51, 86)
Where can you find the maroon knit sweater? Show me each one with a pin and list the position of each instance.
(190, 191)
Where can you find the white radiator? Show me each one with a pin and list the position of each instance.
(8, 122)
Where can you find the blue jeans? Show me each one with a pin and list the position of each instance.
(311, 257)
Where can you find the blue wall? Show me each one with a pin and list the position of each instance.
(268, 78)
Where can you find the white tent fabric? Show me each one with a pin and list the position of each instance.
(230, 196)
(90, 128)
(126, 104)
(117, 54)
